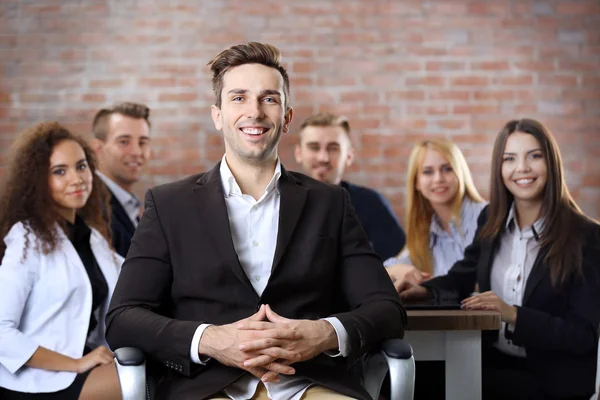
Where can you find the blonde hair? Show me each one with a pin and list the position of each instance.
(419, 211)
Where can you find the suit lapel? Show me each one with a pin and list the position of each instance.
(535, 276)
(209, 199)
(293, 196)
(121, 215)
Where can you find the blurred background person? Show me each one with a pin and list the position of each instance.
(442, 208)
(122, 145)
(324, 152)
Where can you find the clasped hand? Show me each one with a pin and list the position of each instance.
(267, 344)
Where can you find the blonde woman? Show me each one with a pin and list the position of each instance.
(441, 212)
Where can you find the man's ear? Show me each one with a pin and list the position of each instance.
(298, 153)
(350, 156)
(215, 112)
(97, 145)
(287, 120)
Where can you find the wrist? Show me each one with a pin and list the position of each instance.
(205, 345)
(329, 335)
(75, 362)
(512, 318)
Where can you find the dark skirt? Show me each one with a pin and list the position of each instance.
(70, 393)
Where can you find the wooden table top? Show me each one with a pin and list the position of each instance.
(452, 320)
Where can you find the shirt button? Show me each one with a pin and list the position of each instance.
(254, 243)
(257, 278)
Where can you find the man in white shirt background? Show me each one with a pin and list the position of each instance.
(122, 144)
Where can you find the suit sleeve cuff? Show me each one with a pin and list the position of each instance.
(196, 343)
(342, 336)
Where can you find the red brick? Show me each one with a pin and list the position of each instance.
(93, 98)
(470, 81)
(426, 81)
(491, 65)
(475, 109)
(578, 8)
(450, 95)
(178, 97)
(105, 83)
(405, 95)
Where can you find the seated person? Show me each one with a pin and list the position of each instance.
(535, 258)
(122, 144)
(324, 151)
(249, 280)
(442, 207)
(57, 272)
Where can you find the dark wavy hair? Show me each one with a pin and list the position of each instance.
(26, 196)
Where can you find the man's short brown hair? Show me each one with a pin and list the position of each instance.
(326, 119)
(249, 53)
(128, 109)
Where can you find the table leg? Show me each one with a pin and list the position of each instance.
(463, 365)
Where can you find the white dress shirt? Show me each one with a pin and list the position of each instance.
(254, 227)
(510, 271)
(46, 300)
(131, 204)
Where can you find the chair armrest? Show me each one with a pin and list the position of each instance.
(397, 348)
(395, 356)
(127, 356)
(131, 370)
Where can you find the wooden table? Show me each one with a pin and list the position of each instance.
(455, 337)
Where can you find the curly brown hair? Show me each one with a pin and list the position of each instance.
(26, 195)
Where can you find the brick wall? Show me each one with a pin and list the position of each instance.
(399, 69)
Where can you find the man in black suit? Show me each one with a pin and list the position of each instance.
(122, 145)
(325, 151)
(249, 281)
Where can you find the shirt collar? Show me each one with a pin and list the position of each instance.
(528, 232)
(435, 228)
(122, 195)
(231, 187)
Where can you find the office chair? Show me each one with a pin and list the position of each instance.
(394, 355)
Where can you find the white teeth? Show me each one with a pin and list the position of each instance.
(524, 181)
(439, 190)
(252, 131)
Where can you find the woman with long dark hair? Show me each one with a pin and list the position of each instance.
(57, 272)
(535, 258)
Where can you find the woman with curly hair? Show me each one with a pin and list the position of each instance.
(57, 272)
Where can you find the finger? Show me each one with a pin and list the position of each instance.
(254, 325)
(279, 353)
(397, 285)
(259, 315)
(280, 368)
(258, 361)
(274, 317)
(260, 344)
(404, 286)
(281, 332)
(270, 364)
(412, 279)
(257, 372)
(270, 377)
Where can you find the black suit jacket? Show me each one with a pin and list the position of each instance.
(557, 327)
(122, 227)
(182, 270)
(377, 218)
